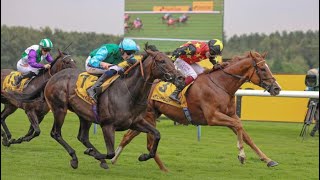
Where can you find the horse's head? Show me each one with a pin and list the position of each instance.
(261, 74)
(160, 65)
(62, 61)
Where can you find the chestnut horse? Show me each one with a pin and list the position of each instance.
(122, 106)
(35, 110)
(220, 85)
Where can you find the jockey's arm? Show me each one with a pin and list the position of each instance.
(97, 60)
(127, 63)
(49, 58)
(213, 60)
(190, 49)
(32, 60)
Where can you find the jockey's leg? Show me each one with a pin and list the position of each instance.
(190, 74)
(18, 79)
(96, 89)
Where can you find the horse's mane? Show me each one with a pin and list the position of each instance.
(235, 59)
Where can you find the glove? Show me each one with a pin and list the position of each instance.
(131, 60)
(47, 66)
(121, 73)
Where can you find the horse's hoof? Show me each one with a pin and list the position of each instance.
(144, 157)
(89, 151)
(74, 163)
(113, 160)
(272, 164)
(6, 143)
(241, 159)
(104, 165)
(110, 156)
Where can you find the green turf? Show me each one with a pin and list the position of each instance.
(199, 26)
(214, 157)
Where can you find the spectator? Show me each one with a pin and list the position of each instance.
(312, 83)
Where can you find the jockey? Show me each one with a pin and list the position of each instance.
(109, 60)
(166, 16)
(29, 64)
(187, 56)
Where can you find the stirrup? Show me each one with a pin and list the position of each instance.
(175, 98)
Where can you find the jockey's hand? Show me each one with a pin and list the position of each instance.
(121, 73)
(47, 66)
(104, 65)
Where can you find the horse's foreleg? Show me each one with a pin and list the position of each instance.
(109, 136)
(144, 126)
(220, 119)
(127, 138)
(59, 115)
(255, 148)
(83, 137)
(156, 158)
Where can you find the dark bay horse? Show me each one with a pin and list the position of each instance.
(211, 101)
(121, 106)
(35, 110)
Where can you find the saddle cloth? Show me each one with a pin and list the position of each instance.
(163, 90)
(9, 81)
(86, 80)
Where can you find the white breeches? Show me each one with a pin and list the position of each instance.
(188, 70)
(93, 70)
(25, 68)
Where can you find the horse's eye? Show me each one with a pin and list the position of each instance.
(263, 69)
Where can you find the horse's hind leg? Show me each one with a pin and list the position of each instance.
(34, 129)
(8, 109)
(256, 149)
(83, 137)
(5, 140)
(127, 138)
(59, 115)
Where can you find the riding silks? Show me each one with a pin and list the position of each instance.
(163, 90)
(86, 80)
(8, 83)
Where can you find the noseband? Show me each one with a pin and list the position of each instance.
(258, 72)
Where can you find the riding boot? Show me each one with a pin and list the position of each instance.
(18, 79)
(175, 94)
(95, 90)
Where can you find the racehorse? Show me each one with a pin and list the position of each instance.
(211, 101)
(35, 110)
(121, 106)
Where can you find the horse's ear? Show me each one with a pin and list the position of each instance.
(152, 53)
(251, 54)
(264, 55)
(60, 53)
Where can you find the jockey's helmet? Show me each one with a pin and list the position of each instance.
(215, 47)
(128, 45)
(46, 44)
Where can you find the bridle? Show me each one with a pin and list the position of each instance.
(257, 70)
(155, 65)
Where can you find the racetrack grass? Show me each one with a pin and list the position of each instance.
(214, 157)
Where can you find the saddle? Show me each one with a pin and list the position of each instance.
(86, 80)
(9, 81)
(162, 91)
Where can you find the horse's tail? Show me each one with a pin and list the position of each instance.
(16, 97)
